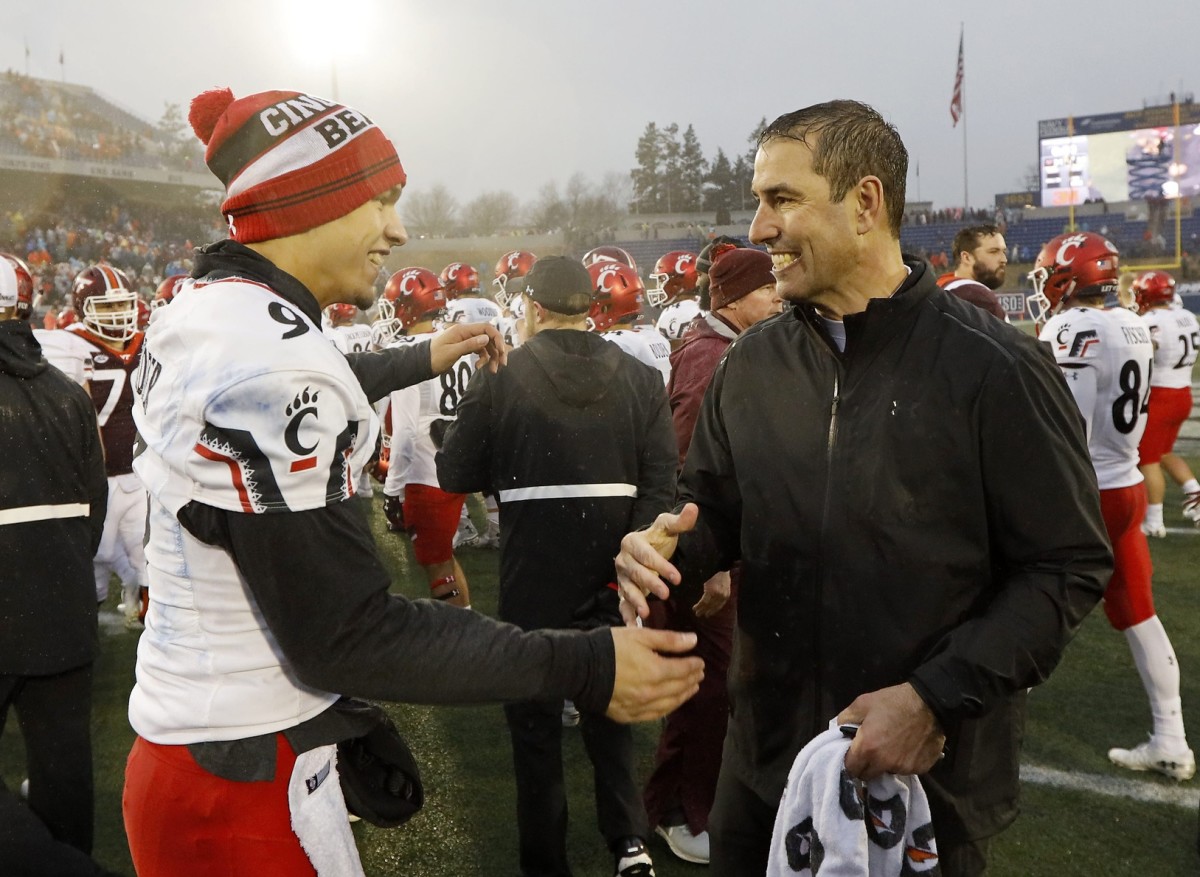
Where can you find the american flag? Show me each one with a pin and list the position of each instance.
(956, 99)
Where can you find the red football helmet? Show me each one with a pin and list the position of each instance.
(1071, 265)
(411, 295)
(106, 303)
(1153, 288)
(609, 254)
(66, 317)
(674, 275)
(165, 293)
(617, 292)
(459, 278)
(17, 287)
(341, 313)
(143, 317)
(512, 265)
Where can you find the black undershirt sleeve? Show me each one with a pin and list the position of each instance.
(380, 372)
(319, 584)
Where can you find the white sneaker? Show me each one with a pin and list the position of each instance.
(466, 536)
(570, 715)
(1154, 531)
(687, 846)
(1191, 507)
(1148, 756)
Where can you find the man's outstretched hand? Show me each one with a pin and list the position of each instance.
(650, 682)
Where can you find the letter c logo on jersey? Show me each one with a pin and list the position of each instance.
(298, 409)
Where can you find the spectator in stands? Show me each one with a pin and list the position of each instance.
(980, 260)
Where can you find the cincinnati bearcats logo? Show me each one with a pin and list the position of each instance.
(1066, 250)
(607, 276)
(803, 847)
(407, 281)
(303, 406)
(683, 263)
(452, 271)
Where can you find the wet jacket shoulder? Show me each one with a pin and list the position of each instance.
(692, 365)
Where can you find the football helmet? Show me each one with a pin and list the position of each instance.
(609, 254)
(1071, 265)
(617, 292)
(674, 275)
(143, 315)
(512, 265)
(106, 303)
(1153, 288)
(21, 291)
(66, 317)
(459, 278)
(341, 313)
(165, 293)
(411, 295)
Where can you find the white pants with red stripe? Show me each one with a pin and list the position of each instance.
(121, 546)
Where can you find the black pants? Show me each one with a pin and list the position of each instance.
(55, 716)
(739, 831)
(536, 731)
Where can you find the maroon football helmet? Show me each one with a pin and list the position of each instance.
(617, 292)
(1069, 266)
(609, 254)
(459, 278)
(674, 275)
(411, 295)
(21, 292)
(165, 293)
(1152, 288)
(106, 303)
(510, 266)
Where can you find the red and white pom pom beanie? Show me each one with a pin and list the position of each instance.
(290, 161)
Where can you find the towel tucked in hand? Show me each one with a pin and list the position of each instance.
(836, 826)
(319, 814)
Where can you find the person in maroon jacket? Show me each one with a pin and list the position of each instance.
(980, 259)
(680, 791)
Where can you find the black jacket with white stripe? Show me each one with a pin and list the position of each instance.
(574, 439)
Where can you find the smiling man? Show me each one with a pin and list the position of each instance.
(918, 541)
(268, 599)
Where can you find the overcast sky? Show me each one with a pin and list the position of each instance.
(485, 95)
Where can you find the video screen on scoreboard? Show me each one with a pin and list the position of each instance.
(1120, 166)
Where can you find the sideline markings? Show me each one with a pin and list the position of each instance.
(1113, 787)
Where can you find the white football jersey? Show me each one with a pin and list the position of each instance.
(1106, 356)
(676, 317)
(67, 352)
(1176, 337)
(355, 338)
(646, 344)
(472, 310)
(414, 412)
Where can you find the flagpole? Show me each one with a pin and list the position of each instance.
(966, 199)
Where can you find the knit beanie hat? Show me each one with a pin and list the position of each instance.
(290, 161)
(738, 273)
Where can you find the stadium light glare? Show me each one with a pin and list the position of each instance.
(324, 34)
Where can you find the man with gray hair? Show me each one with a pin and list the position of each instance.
(918, 542)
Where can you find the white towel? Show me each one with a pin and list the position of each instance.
(319, 815)
(824, 828)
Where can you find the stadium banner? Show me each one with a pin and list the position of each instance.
(32, 164)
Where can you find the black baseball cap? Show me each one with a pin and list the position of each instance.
(560, 284)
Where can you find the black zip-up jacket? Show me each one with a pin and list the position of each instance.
(920, 508)
(588, 428)
(53, 494)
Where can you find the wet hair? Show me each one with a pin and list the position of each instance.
(849, 140)
(968, 239)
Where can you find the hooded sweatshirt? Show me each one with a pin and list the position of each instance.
(574, 439)
(52, 500)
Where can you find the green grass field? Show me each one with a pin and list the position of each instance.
(1081, 816)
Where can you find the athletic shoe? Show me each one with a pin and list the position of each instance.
(1148, 756)
(466, 536)
(490, 538)
(1154, 531)
(633, 859)
(570, 715)
(689, 847)
(1191, 507)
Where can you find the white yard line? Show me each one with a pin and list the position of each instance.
(1111, 786)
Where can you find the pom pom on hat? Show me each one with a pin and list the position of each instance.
(207, 109)
(290, 161)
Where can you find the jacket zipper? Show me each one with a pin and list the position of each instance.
(818, 722)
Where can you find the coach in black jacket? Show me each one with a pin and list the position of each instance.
(52, 502)
(910, 496)
(574, 438)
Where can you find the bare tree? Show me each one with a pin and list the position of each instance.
(548, 211)
(433, 213)
(490, 212)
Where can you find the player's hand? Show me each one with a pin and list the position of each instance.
(459, 339)
(715, 596)
(642, 563)
(897, 733)
(649, 682)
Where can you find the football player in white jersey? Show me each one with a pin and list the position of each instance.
(510, 267)
(674, 290)
(1176, 336)
(1106, 356)
(347, 335)
(465, 303)
(106, 334)
(419, 417)
(617, 296)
